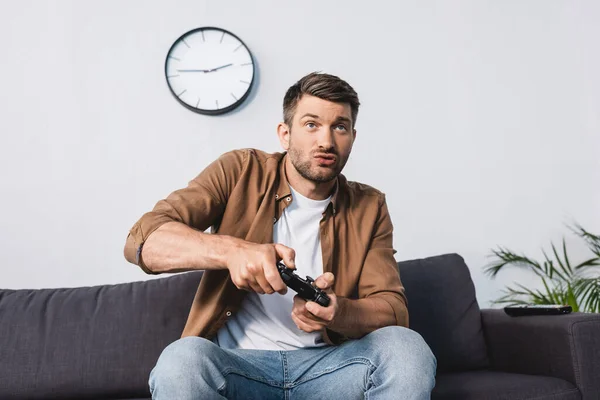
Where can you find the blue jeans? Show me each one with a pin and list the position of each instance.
(389, 363)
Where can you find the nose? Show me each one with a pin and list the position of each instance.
(325, 140)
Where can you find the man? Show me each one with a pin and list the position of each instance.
(246, 336)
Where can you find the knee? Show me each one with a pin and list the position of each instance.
(186, 352)
(403, 346)
(180, 358)
(404, 361)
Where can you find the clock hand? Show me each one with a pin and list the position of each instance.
(204, 70)
(222, 66)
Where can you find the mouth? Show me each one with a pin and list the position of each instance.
(325, 159)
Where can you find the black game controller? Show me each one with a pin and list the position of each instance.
(304, 288)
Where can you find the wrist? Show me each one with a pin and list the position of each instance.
(340, 315)
(229, 247)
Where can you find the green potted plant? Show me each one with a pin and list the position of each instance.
(563, 282)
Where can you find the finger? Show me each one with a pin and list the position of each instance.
(239, 283)
(325, 281)
(319, 313)
(263, 283)
(247, 281)
(301, 310)
(254, 275)
(304, 325)
(299, 302)
(255, 286)
(274, 279)
(287, 255)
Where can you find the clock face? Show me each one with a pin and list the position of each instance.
(209, 70)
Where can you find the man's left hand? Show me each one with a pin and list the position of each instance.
(310, 316)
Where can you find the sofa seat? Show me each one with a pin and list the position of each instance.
(491, 385)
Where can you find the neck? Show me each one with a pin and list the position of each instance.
(307, 188)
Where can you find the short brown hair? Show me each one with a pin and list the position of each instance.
(324, 86)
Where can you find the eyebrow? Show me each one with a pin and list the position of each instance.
(310, 115)
(343, 119)
(338, 119)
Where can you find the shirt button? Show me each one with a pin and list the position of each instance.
(276, 196)
(274, 219)
(288, 198)
(228, 313)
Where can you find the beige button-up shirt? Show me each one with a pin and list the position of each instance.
(242, 194)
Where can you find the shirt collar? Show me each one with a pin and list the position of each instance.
(284, 191)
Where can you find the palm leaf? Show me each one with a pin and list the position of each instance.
(592, 240)
(588, 291)
(552, 269)
(536, 296)
(506, 257)
(513, 296)
(571, 299)
(548, 269)
(592, 262)
(566, 257)
(553, 295)
(583, 288)
(562, 280)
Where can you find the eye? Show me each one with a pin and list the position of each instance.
(310, 125)
(341, 127)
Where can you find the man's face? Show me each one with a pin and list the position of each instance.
(320, 139)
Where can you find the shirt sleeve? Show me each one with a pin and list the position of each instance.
(380, 276)
(200, 205)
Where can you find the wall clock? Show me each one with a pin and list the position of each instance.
(209, 70)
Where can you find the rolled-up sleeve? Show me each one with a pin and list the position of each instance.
(199, 205)
(380, 277)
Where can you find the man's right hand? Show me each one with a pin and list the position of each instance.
(253, 266)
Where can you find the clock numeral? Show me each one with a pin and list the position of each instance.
(184, 90)
(246, 82)
(222, 36)
(198, 102)
(172, 76)
(217, 101)
(203, 39)
(248, 63)
(233, 95)
(236, 49)
(184, 42)
(174, 58)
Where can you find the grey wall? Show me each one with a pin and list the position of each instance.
(480, 120)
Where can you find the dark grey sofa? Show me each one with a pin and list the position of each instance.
(101, 342)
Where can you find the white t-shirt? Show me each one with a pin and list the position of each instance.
(264, 321)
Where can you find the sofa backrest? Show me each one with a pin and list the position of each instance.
(103, 341)
(443, 309)
(90, 342)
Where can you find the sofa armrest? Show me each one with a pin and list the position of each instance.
(562, 346)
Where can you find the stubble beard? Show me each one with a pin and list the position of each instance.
(303, 164)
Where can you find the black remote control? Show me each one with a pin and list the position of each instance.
(304, 288)
(537, 309)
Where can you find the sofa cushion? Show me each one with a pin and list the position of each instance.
(90, 342)
(443, 309)
(490, 385)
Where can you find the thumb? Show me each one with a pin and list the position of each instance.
(287, 255)
(325, 281)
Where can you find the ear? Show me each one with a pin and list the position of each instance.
(353, 135)
(283, 132)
